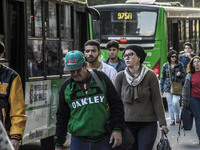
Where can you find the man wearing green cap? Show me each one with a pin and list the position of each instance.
(84, 110)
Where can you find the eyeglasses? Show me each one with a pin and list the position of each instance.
(173, 56)
(196, 61)
(128, 55)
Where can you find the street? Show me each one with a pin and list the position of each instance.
(188, 142)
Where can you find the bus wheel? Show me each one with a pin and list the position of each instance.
(48, 143)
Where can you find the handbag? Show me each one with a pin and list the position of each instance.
(176, 87)
(164, 142)
(127, 138)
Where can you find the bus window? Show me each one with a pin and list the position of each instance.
(96, 28)
(38, 17)
(52, 58)
(35, 60)
(34, 18)
(66, 47)
(66, 22)
(130, 23)
(29, 18)
(52, 19)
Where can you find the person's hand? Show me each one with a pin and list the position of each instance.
(117, 138)
(184, 103)
(16, 144)
(188, 55)
(178, 73)
(58, 148)
(165, 129)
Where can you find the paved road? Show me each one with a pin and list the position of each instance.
(188, 142)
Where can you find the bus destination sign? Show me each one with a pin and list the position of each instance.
(123, 16)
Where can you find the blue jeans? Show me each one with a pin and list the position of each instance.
(144, 133)
(80, 144)
(195, 107)
(173, 105)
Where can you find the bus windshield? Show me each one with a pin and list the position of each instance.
(127, 23)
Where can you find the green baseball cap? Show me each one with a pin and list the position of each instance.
(74, 60)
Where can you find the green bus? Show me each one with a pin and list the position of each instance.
(157, 27)
(37, 35)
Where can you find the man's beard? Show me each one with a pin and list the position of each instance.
(113, 58)
(92, 61)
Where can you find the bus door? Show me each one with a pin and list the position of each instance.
(16, 36)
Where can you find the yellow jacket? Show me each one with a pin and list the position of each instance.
(12, 112)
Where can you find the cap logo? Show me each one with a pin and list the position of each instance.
(72, 61)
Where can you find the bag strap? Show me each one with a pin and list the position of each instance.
(180, 126)
(179, 131)
(96, 78)
(163, 134)
(169, 73)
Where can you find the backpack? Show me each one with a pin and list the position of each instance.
(186, 120)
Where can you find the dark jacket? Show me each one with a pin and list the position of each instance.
(11, 94)
(186, 92)
(83, 115)
(165, 84)
(120, 66)
(185, 60)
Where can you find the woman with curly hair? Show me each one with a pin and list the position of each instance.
(191, 91)
(173, 71)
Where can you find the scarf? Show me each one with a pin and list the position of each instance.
(132, 89)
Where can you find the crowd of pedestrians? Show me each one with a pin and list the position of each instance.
(135, 99)
(85, 110)
(115, 93)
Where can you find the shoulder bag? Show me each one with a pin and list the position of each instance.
(176, 87)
